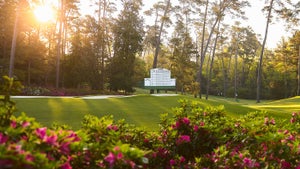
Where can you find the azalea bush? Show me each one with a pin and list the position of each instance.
(191, 137)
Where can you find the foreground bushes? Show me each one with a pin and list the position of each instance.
(192, 137)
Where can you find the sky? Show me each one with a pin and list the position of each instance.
(256, 20)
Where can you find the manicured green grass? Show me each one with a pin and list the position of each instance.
(142, 110)
(284, 106)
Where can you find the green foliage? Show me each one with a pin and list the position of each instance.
(182, 68)
(195, 136)
(128, 34)
(8, 87)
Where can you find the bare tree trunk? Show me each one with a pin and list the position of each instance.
(285, 77)
(199, 76)
(259, 71)
(59, 45)
(235, 69)
(298, 76)
(224, 77)
(211, 64)
(158, 39)
(13, 45)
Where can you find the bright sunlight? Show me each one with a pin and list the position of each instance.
(44, 13)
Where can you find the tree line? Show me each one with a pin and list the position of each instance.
(113, 49)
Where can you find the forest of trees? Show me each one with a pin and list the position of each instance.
(114, 48)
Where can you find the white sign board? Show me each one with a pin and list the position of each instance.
(160, 78)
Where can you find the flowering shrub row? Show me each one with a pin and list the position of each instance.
(191, 137)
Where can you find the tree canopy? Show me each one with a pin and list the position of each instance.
(113, 47)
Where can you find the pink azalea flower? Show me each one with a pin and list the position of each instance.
(247, 162)
(112, 127)
(117, 148)
(64, 147)
(177, 125)
(183, 139)
(285, 164)
(29, 157)
(266, 120)
(50, 156)
(52, 139)
(24, 138)
(101, 164)
(165, 133)
(202, 123)
(186, 121)
(13, 124)
(293, 120)
(3, 138)
(25, 124)
(66, 165)
(132, 164)
(74, 136)
(41, 132)
(119, 156)
(196, 128)
(172, 162)
(272, 121)
(291, 138)
(110, 158)
(182, 159)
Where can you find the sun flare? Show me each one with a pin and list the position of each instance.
(44, 13)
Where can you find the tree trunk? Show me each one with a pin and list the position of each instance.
(259, 71)
(28, 73)
(199, 76)
(211, 65)
(13, 45)
(285, 77)
(235, 69)
(298, 76)
(158, 39)
(59, 44)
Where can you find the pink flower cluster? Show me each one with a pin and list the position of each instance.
(174, 162)
(183, 139)
(60, 142)
(268, 121)
(117, 157)
(3, 138)
(112, 127)
(183, 121)
(295, 117)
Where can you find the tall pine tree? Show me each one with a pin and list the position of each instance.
(128, 36)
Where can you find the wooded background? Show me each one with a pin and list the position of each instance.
(114, 49)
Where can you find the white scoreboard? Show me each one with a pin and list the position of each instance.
(160, 79)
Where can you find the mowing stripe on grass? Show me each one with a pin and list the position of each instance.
(141, 110)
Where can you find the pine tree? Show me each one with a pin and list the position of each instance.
(128, 35)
